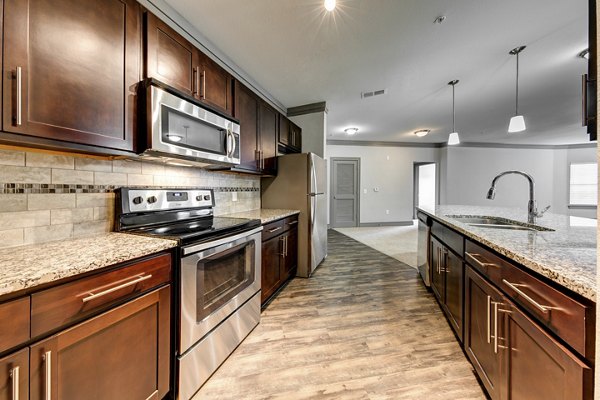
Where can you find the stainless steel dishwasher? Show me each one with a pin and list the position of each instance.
(423, 256)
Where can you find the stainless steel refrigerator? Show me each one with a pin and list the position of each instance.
(301, 184)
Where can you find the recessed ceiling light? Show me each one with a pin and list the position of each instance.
(329, 5)
(422, 132)
(439, 19)
(585, 54)
(351, 131)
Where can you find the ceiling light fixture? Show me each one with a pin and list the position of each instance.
(585, 54)
(517, 123)
(453, 138)
(422, 132)
(439, 19)
(351, 131)
(329, 5)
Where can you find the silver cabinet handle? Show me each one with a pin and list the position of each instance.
(515, 287)
(203, 90)
(496, 327)
(488, 319)
(195, 81)
(292, 223)
(93, 295)
(47, 357)
(14, 375)
(445, 258)
(286, 246)
(473, 257)
(274, 229)
(19, 76)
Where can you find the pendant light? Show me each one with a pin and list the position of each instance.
(453, 138)
(517, 123)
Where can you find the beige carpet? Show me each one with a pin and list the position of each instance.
(399, 242)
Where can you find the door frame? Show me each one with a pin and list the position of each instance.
(331, 191)
(416, 166)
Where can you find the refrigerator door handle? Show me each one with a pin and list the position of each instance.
(313, 175)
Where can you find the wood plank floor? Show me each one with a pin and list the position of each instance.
(363, 327)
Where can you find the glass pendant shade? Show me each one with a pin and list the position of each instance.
(453, 139)
(517, 124)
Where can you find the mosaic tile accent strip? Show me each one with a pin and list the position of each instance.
(37, 188)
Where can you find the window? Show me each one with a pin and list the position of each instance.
(583, 184)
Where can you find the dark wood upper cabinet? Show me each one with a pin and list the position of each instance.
(246, 111)
(289, 136)
(284, 130)
(215, 85)
(70, 71)
(169, 57)
(268, 138)
(295, 137)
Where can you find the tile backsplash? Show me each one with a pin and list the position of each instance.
(46, 197)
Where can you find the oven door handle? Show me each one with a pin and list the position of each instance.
(216, 243)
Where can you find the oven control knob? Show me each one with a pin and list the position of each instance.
(138, 200)
(198, 198)
(152, 199)
(207, 197)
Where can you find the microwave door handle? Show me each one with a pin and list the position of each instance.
(233, 144)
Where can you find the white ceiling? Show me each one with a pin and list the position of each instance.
(301, 54)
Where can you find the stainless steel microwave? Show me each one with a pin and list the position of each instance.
(183, 133)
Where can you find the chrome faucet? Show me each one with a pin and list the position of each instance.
(532, 212)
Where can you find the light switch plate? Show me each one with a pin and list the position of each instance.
(233, 196)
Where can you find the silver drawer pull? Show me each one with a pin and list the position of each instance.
(473, 256)
(488, 320)
(93, 295)
(19, 77)
(515, 287)
(274, 229)
(14, 375)
(47, 357)
(292, 223)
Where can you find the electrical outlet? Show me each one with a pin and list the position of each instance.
(376, 189)
(387, 212)
(233, 196)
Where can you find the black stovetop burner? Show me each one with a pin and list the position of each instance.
(184, 215)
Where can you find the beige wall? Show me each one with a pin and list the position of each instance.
(45, 197)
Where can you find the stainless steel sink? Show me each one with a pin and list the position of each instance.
(496, 223)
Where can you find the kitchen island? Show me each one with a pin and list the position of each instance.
(517, 294)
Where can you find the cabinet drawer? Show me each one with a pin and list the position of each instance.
(451, 239)
(55, 307)
(17, 331)
(290, 223)
(555, 310)
(272, 229)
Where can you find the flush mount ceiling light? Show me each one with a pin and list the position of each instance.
(453, 138)
(329, 5)
(517, 123)
(422, 132)
(351, 131)
(584, 54)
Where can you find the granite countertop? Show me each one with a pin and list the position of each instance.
(566, 255)
(27, 266)
(265, 215)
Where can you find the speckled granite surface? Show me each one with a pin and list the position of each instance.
(567, 255)
(28, 266)
(265, 215)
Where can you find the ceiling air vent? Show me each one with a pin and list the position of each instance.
(379, 92)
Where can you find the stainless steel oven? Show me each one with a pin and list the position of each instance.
(220, 304)
(182, 132)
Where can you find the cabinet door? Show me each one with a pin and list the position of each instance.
(480, 326)
(270, 278)
(437, 273)
(246, 111)
(538, 367)
(454, 268)
(14, 376)
(295, 137)
(169, 57)
(290, 257)
(284, 130)
(268, 138)
(121, 354)
(215, 85)
(71, 71)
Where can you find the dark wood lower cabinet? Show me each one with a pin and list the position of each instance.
(121, 354)
(514, 356)
(437, 274)
(14, 376)
(279, 256)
